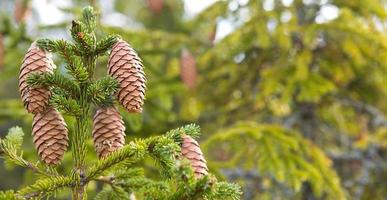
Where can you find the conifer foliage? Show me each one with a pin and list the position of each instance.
(48, 92)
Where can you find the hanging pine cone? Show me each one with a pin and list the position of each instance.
(22, 11)
(35, 99)
(108, 131)
(191, 151)
(49, 132)
(188, 71)
(156, 6)
(126, 67)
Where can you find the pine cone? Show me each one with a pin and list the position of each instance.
(49, 132)
(188, 71)
(156, 6)
(191, 151)
(126, 67)
(36, 60)
(22, 11)
(108, 131)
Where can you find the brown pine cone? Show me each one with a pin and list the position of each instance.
(49, 132)
(188, 71)
(108, 131)
(191, 151)
(22, 10)
(126, 67)
(156, 6)
(35, 99)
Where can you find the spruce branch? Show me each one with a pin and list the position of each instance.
(164, 151)
(10, 148)
(105, 44)
(63, 47)
(65, 104)
(114, 192)
(100, 92)
(192, 130)
(45, 187)
(81, 38)
(54, 80)
(9, 195)
(67, 50)
(223, 190)
(132, 152)
(89, 19)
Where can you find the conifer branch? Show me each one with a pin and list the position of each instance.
(64, 48)
(100, 92)
(68, 51)
(131, 153)
(192, 130)
(105, 44)
(164, 151)
(223, 190)
(65, 104)
(54, 80)
(9, 148)
(45, 187)
(9, 195)
(89, 19)
(81, 38)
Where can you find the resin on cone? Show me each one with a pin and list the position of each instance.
(50, 137)
(190, 149)
(188, 71)
(35, 99)
(125, 65)
(108, 131)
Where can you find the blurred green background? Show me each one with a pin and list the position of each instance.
(290, 94)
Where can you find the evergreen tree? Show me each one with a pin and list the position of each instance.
(74, 93)
(286, 66)
(290, 101)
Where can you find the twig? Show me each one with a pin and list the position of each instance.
(106, 179)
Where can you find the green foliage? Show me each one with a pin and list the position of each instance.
(15, 137)
(288, 65)
(133, 152)
(9, 195)
(54, 80)
(191, 129)
(101, 91)
(74, 95)
(65, 104)
(10, 151)
(45, 187)
(105, 43)
(315, 85)
(275, 152)
(67, 51)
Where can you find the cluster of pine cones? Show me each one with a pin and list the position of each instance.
(49, 130)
